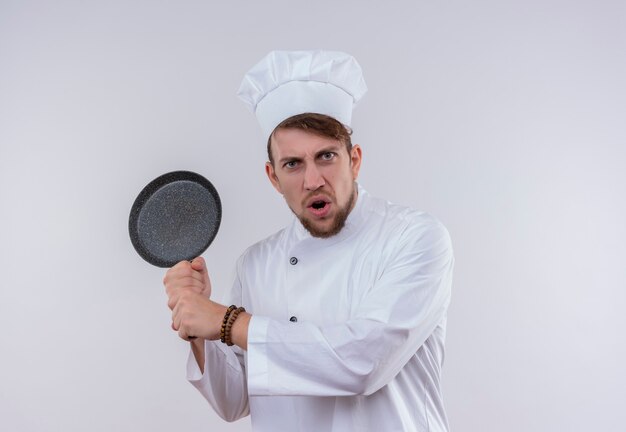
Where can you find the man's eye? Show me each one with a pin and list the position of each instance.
(328, 156)
(291, 164)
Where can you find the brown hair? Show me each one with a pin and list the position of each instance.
(318, 124)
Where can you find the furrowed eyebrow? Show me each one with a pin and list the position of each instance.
(289, 159)
(333, 149)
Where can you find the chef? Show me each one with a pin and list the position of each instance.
(337, 322)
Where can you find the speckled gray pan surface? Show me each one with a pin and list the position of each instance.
(174, 218)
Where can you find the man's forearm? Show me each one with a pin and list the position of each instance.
(239, 336)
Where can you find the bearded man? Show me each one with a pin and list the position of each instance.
(338, 320)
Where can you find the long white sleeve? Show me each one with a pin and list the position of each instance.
(223, 383)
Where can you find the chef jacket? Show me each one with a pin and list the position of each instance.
(347, 333)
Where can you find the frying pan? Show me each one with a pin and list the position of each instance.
(174, 218)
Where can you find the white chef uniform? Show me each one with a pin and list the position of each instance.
(347, 333)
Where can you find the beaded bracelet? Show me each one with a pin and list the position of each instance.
(224, 321)
(229, 325)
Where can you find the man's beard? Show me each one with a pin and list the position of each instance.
(339, 220)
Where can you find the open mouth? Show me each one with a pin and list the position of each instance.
(319, 207)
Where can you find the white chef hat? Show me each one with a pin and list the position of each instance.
(286, 83)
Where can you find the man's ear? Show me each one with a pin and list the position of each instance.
(356, 156)
(271, 174)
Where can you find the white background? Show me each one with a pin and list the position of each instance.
(504, 119)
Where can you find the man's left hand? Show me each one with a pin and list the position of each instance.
(194, 314)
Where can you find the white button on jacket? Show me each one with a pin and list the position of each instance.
(366, 350)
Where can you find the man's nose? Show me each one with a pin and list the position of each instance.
(313, 178)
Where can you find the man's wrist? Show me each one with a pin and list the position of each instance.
(239, 331)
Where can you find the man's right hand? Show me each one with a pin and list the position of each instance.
(187, 276)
